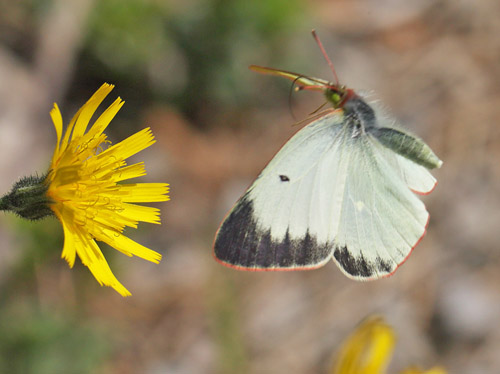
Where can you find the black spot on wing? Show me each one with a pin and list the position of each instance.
(284, 178)
(240, 242)
(358, 266)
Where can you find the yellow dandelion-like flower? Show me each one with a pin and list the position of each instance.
(368, 350)
(84, 190)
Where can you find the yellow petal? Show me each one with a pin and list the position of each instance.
(130, 146)
(69, 249)
(131, 248)
(104, 119)
(96, 98)
(144, 192)
(129, 172)
(89, 108)
(55, 114)
(140, 213)
(367, 350)
(99, 267)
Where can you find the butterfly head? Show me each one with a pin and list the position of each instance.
(338, 95)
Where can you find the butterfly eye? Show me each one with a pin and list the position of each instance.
(335, 98)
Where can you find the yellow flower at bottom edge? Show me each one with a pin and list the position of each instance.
(84, 190)
(368, 350)
(436, 370)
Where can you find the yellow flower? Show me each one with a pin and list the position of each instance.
(368, 350)
(436, 370)
(85, 190)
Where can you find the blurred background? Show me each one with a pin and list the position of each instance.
(182, 68)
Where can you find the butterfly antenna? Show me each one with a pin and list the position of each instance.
(325, 56)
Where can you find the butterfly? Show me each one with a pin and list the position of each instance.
(344, 188)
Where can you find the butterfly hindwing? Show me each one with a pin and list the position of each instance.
(382, 220)
(417, 177)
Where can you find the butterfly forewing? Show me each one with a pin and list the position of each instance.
(283, 220)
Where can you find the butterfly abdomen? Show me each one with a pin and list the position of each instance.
(407, 145)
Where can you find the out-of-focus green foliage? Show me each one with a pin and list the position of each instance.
(41, 243)
(226, 326)
(126, 34)
(32, 341)
(219, 40)
(194, 55)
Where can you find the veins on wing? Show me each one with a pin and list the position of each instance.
(401, 204)
(375, 211)
(334, 142)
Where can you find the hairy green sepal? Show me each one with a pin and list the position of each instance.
(28, 198)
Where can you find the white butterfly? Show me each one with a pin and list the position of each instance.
(341, 188)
